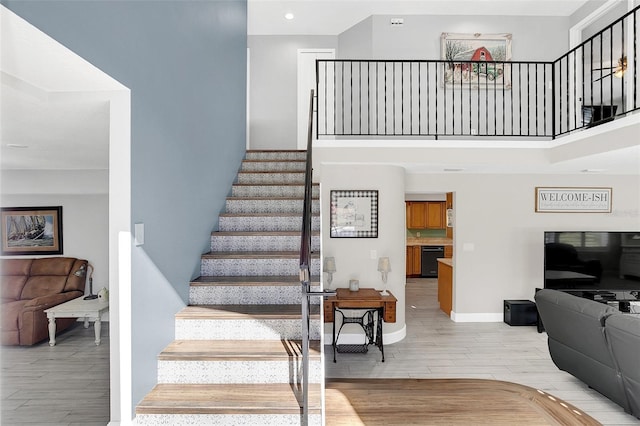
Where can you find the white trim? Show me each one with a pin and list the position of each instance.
(358, 338)
(477, 317)
(575, 32)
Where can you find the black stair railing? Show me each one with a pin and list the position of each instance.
(594, 82)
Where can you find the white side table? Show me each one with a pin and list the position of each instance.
(78, 308)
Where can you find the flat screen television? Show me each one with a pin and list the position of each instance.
(592, 261)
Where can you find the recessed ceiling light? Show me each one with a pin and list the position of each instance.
(453, 170)
(593, 170)
(16, 145)
(289, 16)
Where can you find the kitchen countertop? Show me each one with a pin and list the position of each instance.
(446, 261)
(429, 241)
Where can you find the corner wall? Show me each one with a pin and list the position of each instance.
(353, 256)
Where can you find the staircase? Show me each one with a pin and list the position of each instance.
(237, 357)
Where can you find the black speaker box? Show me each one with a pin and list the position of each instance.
(520, 312)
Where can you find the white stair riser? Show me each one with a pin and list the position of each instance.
(207, 372)
(269, 206)
(260, 243)
(272, 191)
(226, 419)
(270, 178)
(265, 223)
(276, 155)
(243, 329)
(273, 166)
(241, 267)
(248, 295)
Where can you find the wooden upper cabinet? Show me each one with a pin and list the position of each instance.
(426, 214)
(416, 215)
(436, 215)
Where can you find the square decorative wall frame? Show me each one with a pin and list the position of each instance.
(354, 214)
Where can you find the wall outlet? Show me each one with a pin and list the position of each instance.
(418, 234)
(374, 254)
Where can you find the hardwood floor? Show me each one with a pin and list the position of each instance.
(436, 348)
(69, 383)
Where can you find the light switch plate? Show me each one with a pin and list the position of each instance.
(138, 232)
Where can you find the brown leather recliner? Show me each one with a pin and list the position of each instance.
(27, 288)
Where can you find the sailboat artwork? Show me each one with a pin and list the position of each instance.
(31, 230)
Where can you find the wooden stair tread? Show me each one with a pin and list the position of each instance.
(269, 312)
(237, 350)
(255, 255)
(282, 280)
(227, 399)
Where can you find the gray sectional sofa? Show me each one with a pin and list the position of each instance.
(594, 342)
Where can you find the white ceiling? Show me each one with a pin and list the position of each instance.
(331, 17)
(58, 119)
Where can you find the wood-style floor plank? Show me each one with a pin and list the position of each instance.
(444, 402)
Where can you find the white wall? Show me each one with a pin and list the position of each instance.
(495, 220)
(353, 255)
(85, 203)
(273, 89)
(498, 246)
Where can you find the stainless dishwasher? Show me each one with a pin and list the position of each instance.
(429, 262)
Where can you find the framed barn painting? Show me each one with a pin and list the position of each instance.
(31, 230)
(477, 60)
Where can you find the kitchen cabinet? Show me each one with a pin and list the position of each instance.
(414, 261)
(426, 214)
(448, 252)
(445, 285)
(416, 215)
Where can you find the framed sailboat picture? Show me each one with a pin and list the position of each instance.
(31, 230)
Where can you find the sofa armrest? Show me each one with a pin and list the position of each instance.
(46, 302)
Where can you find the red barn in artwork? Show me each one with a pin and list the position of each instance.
(481, 54)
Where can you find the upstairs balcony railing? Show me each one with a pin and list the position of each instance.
(593, 83)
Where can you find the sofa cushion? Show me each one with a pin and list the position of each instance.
(10, 315)
(623, 333)
(11, 287)
(52, 266)
(14, 276)
(15, 266)
(576, 322)
(42, 286)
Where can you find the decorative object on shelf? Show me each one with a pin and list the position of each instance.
(384, 266)
(82, 272)
(466, 55)
(354, 285)
(329, 267)
(103, 295)
(354, 214)
(573, 200)
(31, 230)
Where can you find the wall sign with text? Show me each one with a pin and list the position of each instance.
(573, 200)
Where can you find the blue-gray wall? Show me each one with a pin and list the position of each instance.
(185, 64)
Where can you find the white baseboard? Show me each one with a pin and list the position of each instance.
(359, 339)
(477, 317)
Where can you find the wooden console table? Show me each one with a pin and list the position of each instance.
(369, 300)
